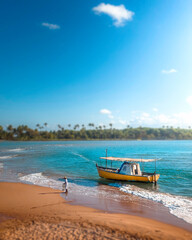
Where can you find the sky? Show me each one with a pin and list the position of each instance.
(125, 62)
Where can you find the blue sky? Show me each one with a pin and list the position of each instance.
(75, 62)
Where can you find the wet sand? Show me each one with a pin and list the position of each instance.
(33, 212)
(127, 204)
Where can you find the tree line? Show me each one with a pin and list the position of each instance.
(93, 132)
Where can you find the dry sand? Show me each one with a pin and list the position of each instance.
(33, 212)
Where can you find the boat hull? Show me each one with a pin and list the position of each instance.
(122, 177)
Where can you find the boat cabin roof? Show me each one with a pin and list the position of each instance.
(128, 159)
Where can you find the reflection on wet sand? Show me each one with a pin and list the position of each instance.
(120, 202)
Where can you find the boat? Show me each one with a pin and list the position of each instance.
(129, 170)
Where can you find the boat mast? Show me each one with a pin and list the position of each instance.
(155, 172)
(106, 158)
(155, 165)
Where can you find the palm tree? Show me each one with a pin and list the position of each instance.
(20, 130)
(91, 125)
(69, 125)
(38, 126)
(76, 126)
(111, 125)
(10, 131)
(1, 132)
(10, 128)
(15, 134)
(46, 134)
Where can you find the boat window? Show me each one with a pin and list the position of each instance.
(126, 169)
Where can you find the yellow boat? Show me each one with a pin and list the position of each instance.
(129, 170)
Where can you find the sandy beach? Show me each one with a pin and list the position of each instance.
(33, 212)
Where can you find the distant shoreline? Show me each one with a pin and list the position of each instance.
(93, 140)
(24, 133)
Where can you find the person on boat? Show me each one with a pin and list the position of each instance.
(65, 185)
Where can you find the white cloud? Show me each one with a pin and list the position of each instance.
(110, 116)
(118, 13)
(163, 119)
(145, 115)
(152, 119)
(105, 111)
(181, 119)
(123, 122)
(169, 71)
(51, 26)
(155, 110)
(189, 100)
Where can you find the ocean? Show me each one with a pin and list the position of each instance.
(46, 163)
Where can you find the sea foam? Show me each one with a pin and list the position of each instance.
(6, 157)
(44, 181)
(177, 205)
(39, 179)
(16, 150)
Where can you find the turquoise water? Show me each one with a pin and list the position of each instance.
(36, 162)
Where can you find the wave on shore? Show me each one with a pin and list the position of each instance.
(39, 179)
(16, 150)
(177, 205)
(6, 157)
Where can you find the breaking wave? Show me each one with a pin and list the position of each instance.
(6, 157)
(39, 179)
(177, 205)
(16, 150)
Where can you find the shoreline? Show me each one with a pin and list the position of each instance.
(133, 205)
(31, 211)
